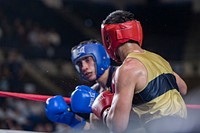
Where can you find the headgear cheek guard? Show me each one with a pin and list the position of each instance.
(114, 35)
(97, 51)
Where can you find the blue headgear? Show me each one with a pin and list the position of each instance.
(97, 51)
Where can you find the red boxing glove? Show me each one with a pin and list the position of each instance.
(101, 103)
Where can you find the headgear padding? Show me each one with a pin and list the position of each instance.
(97, 51)
(114, 35)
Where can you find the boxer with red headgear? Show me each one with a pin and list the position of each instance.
(113, 35)
(144, 83)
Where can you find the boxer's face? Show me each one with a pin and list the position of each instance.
(87, 68)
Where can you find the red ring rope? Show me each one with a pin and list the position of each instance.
(193, 106)
(34, 97)
(43, 98)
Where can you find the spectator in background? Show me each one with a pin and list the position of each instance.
(53, 37)
(54, 41)
(13, 71)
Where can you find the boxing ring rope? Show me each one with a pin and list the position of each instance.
(193, 106)
(34, 97)
(43, 98)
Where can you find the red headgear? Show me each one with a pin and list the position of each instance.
(114, 35)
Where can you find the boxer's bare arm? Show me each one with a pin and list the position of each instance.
(127, 77)
(181, 84)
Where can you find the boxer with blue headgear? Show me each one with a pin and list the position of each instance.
(93, 64)
(94, 49)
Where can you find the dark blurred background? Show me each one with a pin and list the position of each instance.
(36, 37)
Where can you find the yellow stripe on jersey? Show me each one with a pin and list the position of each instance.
(168, 104)
(160, 96)
(154, 63)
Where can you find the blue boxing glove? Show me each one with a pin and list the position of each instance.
(82, 99)
(57, 110)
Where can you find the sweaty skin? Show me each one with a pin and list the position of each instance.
(130, 77)
(181, 84)
(87, 67)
